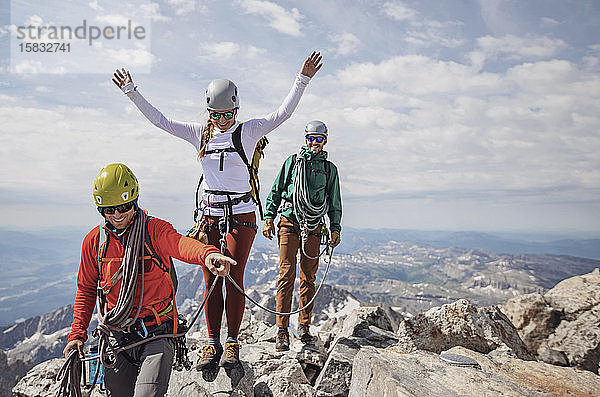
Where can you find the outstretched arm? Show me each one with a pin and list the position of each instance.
(257, 128)
(191, 132)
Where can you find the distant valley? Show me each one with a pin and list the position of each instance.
(411, 270)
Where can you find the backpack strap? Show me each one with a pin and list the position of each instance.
(156, 259)
(236, 138)
(102, 245)
(327, 172)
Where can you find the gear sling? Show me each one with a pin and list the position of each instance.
(149, 253)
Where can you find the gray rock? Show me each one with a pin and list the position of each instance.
(391, 372)
(579, 340)
(10, 373)
(365, 326)
(334, 379)
(551, 356)
(533, 317)
(576, 294)
(563, 326)
(263, 373)
(40, 380)
(461, 324)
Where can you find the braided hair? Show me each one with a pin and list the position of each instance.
(207, 134)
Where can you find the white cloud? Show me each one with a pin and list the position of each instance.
(549, 22)
(183, 7)
(95, 6)
(417, 74)
(529, 47)
(137, 57)
(30, 66)
(113, 19)
(152, 11)
(435, 33)
(224, 49)
(277, 17)
(398, 11)
(346, 43)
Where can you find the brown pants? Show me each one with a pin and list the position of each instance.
(239, 242)
(289, 243)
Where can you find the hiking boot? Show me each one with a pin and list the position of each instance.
(210, 357)
(231, 358)
(304, 334)
(282, 341)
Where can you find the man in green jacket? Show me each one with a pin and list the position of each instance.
(306, 189)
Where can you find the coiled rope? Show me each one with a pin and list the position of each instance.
(309, 215)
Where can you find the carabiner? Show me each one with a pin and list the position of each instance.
(145, 335)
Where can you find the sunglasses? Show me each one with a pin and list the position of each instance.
(226, 115)
(123, 208)
(319, 138)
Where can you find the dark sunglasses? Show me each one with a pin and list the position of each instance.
(123, 208)
(319, 138)
(226, 115)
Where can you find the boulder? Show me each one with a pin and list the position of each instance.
(391, 372)
(563, 326)
(364, 326)
(533, 317)
(461, 324)
(576, 295)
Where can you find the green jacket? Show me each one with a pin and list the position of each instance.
(283, 188)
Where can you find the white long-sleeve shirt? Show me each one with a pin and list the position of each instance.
(234, 176)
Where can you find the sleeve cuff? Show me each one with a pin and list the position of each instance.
(128, 88)
(303, 79)
(209, 249)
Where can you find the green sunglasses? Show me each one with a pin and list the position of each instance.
(226, 115)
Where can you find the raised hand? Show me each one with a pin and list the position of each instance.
(122, 78)
(312, 64)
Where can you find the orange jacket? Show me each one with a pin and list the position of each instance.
(157, 283)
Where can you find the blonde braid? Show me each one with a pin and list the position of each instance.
(206, 137)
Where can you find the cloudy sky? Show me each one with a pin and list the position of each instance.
(454, 115)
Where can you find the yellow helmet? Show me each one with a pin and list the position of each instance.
(115, 185)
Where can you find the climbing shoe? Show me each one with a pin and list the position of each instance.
(231, 358)
(304, 334)
(210, 357)
(282, 341)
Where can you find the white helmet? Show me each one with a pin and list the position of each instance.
(316, 127)
(222, 94)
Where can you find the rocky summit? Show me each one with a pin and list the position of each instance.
(457, 349)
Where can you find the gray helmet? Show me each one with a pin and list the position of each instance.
(316, 127)
(222, 94)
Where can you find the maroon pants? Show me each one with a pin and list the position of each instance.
(289, 245)
(239, 242)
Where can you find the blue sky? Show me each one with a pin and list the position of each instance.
(455, 115)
